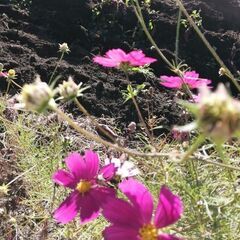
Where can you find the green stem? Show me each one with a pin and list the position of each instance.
(56, 67)
(178, 35)
(224, 157)
(207, 44)
(138, 13)
(200, 139)
(141, 119)
(9, 80)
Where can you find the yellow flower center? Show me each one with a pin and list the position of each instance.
(83, 186)
(148, 232)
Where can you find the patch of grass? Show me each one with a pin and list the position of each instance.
(41, 142)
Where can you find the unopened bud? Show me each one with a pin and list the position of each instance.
(218, 114)
(222, 71)
(68, 89)
(11, 73)
(37, 96)
(63, 48)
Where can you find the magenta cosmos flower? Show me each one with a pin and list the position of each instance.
(190, 78)
(87, 195)
(134, 219)
(117, 58)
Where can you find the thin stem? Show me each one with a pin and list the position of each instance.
(224, 157)
(55, 69)
(84, 111)
(9, 80)
(178, 35)
(219, 164)
(207, 44)
(138, 13)
(139, 112)
(200, 139)
(97, 139)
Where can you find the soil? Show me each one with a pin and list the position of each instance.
(29, 43)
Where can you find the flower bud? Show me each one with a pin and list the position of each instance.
(222, 71)
(218, 114)
(68, 89)
(11, 73)
(63, 48)
(37, 96)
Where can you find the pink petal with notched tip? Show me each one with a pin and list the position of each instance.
(69, 208)
(140, 197)
(138, 58)
(64, 178)
(92, 164)
(76, 165)
(120, 233)
(169, 209)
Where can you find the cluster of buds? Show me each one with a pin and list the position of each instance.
(218, 114)
(69, 89)
(37, 96)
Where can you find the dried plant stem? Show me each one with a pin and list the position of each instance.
(86, 113)
(97, 139)
(207, 44)
(219, 164)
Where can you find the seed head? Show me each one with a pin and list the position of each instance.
(37, 96)
(68, 89)
(218, 114)
(63, 48)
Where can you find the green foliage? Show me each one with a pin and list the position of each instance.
(132, 92)
(195, 15)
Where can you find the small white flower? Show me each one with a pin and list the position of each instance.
(125, 169)
(63, 48)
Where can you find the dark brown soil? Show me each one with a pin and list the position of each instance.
(29, 43)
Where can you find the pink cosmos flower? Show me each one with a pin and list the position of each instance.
(190, 78)
(87, 194)
(117, 57)
(133, 219)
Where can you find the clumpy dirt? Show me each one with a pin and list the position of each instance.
(29, 43)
